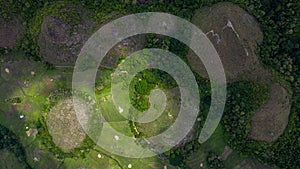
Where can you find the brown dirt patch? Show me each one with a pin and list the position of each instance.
(233, 32)
(11, 31)
(269, 123)
(64, 127)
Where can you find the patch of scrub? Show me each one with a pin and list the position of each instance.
(269, 123)
(63, 125)
(235, 35)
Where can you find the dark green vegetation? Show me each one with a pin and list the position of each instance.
(179, 156)
(242, 101)
(214, 161)
(279, 52)
(146, 81)
(9, 141)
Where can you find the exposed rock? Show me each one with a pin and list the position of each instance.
(11, 31)
(269, 123)
(233, 32)
(60, 42)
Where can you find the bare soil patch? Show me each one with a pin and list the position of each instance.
(235, 35)
(269, 123)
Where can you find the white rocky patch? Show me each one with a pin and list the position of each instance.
(201, 165)
(116, 137)
(230, 25)
(120, 110)
(215, 35)
(6, 70)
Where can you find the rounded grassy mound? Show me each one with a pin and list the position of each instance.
(64, 127)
